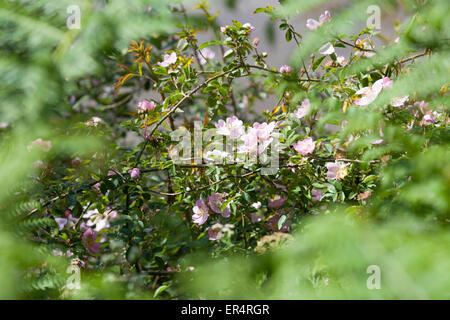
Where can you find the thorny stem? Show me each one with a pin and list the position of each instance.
(414, 57)
(277, 72)
(354, 46)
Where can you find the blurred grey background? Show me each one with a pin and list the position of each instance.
(280, 51)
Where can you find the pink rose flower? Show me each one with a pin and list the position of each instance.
(100, 221)
(257, 138)
(145, 106)
(94, 122)
(313, 24)
(341, 61)
(57, 252)
(317, 194)
(377, 142)
(83, 226)
(111, 214)
(399, 101)
(63, 221)
(422, 105)
(369, 94)
(205, 54)
(276, 202)
(285, 69)
(305, 146)
(387, 83)
(364, 44)
(336, 170)
(200, 212)
(168, 60)
(134, 173)
(89, 239)
(102, 224)
(256, 205)
(303, 110)
(427, 119)
(324, 17)
(215, 232)
(97, 120)
(97, 220)
(264, 130)
(249, 26)
(215, 202)
(42, 144)
(233, 127)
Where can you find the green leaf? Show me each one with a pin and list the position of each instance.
(283, 26)
(289, 35)
(226, 203)
(268, 9)
(258, 10)
(160, 290)
(209, 44)
(369, 178)
(319, 185)
(317, 63)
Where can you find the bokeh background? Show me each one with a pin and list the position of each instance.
(52, 78)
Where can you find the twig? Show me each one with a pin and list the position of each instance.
(277, 72)
(118, 103)
(413, 57)
(354, 46)
(346, 160)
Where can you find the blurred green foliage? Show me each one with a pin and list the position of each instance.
(403, 229)
(43, 64)
(329, 259)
